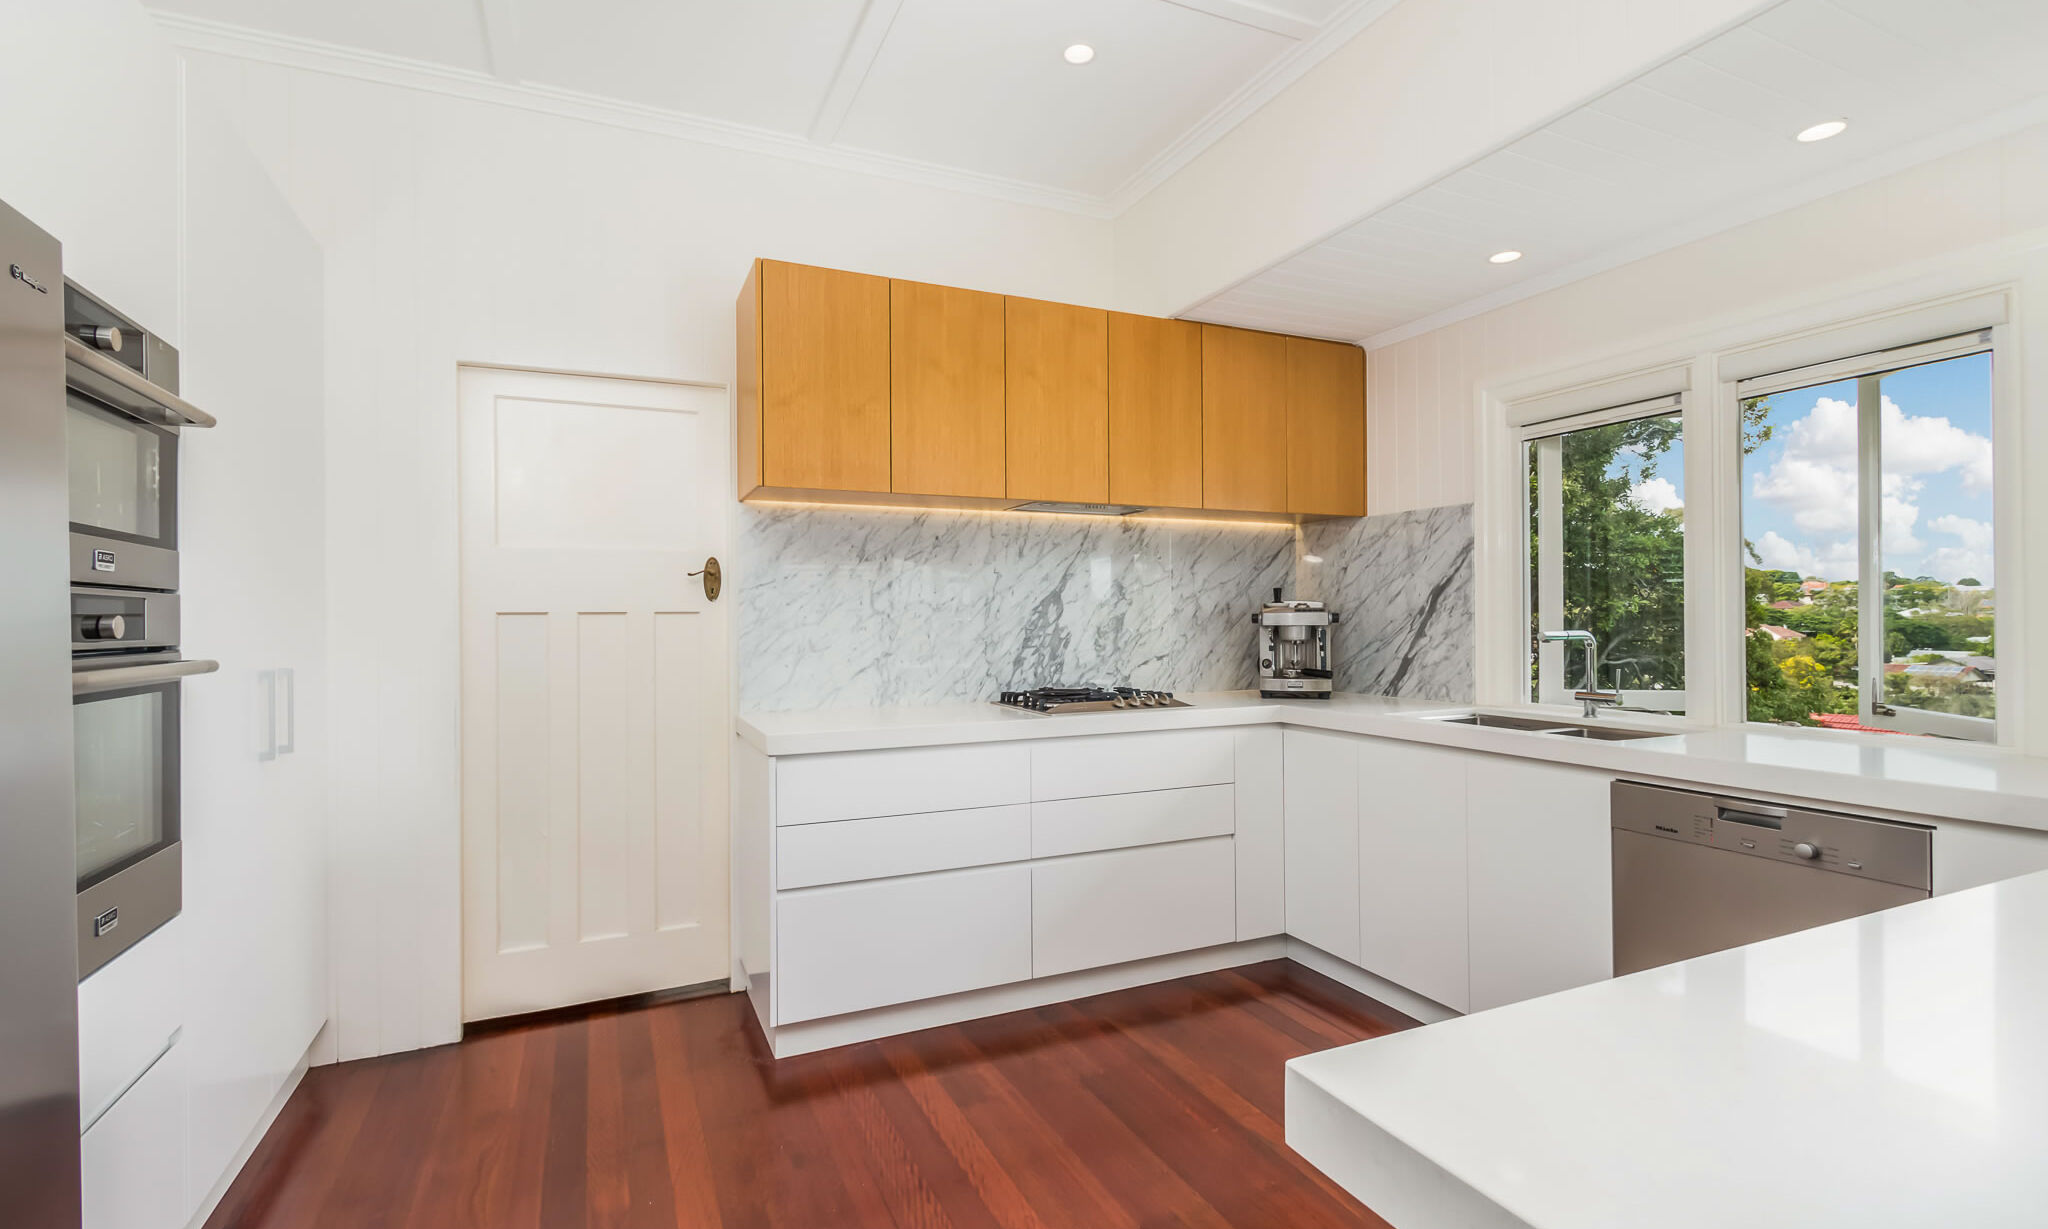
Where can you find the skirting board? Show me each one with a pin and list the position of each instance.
(1400, 998)
(788, 1040)
(262, 1128)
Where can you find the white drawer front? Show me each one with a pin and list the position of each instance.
(1106, 908)
(1120, 821)
(813, 789)
(1127, 763)
(865, 945)
(128, 1012)
(849, 849)
(133, 1159)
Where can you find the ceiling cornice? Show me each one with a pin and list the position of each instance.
(220, 38)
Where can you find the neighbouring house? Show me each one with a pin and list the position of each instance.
(1776, 632)
(1788, 605)
(1814, 586)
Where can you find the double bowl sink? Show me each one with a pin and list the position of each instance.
(1561, 729)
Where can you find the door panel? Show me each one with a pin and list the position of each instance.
(1321, 808)
(1056, 411)
(824, 379)
(1325, 428)
(946, 390)
(593, 763)
(1244, 420)
(1155, 411)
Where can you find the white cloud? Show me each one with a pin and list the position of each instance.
(1932, 446)
(1655, 495)
(1975, 534)
(1835, 560)
(1970, 556)
(1820, 498)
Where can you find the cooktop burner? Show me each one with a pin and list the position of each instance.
(1088, 699)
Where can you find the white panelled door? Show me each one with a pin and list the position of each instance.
(594, 676)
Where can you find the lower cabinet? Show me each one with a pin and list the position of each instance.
(1540, 875)
(1320, 801)
(1412, 868)
(132, 1160)
(1127, 904)
(864, 945)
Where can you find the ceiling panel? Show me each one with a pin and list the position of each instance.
(982, 86)
(1683, 145)
(766, 63)
(446, 32)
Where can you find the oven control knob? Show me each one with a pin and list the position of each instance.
(1807, 850)
(100, 336)
(103, 627)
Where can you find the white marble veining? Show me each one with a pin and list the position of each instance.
(1889, 1072)
(1403, 584)
(847, 607)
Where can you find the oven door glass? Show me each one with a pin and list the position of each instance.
(127, 777)
(122, 475)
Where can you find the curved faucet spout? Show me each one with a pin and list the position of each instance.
(1590, 696)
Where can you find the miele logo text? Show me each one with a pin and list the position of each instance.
(20, 274)
(103, 561)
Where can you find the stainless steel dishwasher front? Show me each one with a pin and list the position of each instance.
(1697, 873)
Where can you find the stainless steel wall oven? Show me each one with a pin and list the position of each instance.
(122, 422)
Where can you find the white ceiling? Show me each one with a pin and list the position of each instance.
(972, 86)
(1701, 143)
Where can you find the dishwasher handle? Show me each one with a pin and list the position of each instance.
(1749, 813)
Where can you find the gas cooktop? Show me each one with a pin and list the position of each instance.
(1088, 699)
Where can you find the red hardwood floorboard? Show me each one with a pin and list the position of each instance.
(1152, 1107)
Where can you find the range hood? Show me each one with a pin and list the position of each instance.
(1074, 509)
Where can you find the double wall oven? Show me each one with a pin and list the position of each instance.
(123, 418)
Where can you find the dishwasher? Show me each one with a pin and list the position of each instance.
(1697, 873)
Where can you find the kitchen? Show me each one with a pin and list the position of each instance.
(470, 781)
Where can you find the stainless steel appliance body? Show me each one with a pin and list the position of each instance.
(39, 1181)
(122, 414)
(1294, 649)
(1695, 873)
(1049, 700)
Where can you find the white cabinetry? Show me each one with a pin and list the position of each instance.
(1541, 880)
(1322, 840)
(1127, 904)
(133, 1159)
(1412, 867)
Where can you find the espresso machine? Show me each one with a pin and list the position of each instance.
(1294, 649)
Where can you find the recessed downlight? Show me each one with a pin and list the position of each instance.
(1505, 258)
(1822, 131)
(1079, 53)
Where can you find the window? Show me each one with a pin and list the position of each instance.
(1606, 553)
(1870, 596)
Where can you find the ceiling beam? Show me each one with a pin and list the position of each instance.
(869, 33)
(1257, 16)
(501, 38)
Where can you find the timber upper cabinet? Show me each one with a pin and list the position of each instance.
(865, 389)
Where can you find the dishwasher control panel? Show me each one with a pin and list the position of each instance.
(1881, 849)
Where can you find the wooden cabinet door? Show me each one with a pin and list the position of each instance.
(1056, 413)
(1325, 428)
(946, 390)
(1244, 420)
(1155, 411)
(823, 380)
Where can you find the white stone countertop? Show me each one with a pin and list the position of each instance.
(1881, 772)
(1882, 1073)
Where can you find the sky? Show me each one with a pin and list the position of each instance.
(1799, 489)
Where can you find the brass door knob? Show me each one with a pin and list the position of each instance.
(714, 578)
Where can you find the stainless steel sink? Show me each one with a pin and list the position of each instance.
(1562, 729)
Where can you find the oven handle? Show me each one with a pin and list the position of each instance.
(175, 410)
(84, 682)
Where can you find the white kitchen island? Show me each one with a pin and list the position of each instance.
(1890, 1071)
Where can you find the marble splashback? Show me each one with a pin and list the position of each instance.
(1403, 583)
(840, 607)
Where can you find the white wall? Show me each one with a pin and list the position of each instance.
(463, 232)
(1427, 88)
(1422, 392)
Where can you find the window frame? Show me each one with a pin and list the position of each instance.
(1534, 430)
(1869, 371)
(1707, 364)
